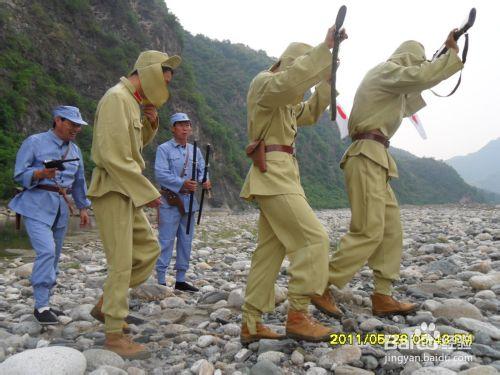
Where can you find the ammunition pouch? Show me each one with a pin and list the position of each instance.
(257, 152)
(173, 199)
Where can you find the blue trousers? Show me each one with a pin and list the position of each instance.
(173, 226)
(47, 242)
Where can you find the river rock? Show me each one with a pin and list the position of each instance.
(24, 270)
(236, 298)
(477, 326)
(272, 356)
(456, 308)
(54, 360)
(434, 371)
(486, 281)
(265, 367)
(349, 370)
(285, 346)
(30, 327)
(480, 370)
(340, 356)
(202, 367)
(99, 357)
(108, 370)
(82, 312)
(316, 371)
(213, 297)
(151, 292)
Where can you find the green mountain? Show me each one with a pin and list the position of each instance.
(71, 51)
(480, 168)
(426, 180)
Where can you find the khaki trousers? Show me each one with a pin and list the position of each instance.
(375, 234)
(287, 227)
(131, 251)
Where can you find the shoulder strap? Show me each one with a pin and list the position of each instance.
(464, 58)
(67, 151)
(186, 160)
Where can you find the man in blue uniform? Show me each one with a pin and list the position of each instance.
(173, 172)
(44, 204)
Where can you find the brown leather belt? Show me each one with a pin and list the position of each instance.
(373, 136)
(282, 148)
(164, 191)
(55, 189)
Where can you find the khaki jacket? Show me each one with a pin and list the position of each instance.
(119, 136)
(275, 111)
(391, 91)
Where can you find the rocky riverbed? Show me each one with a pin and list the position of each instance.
(451, 266)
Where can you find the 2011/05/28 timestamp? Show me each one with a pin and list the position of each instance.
(352, 338)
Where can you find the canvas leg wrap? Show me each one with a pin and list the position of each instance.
(298, 302)
(251, 316)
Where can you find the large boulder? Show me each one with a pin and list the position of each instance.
(54, 360)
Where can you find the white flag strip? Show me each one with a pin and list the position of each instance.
(418, 125)
(342, 121)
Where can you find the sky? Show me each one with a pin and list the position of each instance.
(458, 125)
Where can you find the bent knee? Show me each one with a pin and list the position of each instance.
(318, 252)
(374, 237)
(321, 244)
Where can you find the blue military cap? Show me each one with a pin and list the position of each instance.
(70, 113)
(176, 117)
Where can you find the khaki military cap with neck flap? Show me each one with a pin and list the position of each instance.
(152, 57)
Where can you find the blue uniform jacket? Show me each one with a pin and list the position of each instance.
(170, 158)
(40, 204)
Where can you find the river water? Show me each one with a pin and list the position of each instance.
(15, 243)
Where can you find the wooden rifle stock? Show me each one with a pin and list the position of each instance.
(339, 21)
(468, 23)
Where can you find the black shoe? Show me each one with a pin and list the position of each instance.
(46, 317)
(57, 312)
(185, 287)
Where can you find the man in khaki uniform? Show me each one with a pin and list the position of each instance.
(287, 224)
(119, 190)
(388, 92)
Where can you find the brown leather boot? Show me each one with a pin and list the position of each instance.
(263, 332)
(124, 346)
(326, 304)
(301, 326)
(383, 305)
(97, 314)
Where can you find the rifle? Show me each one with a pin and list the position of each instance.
(339, 21)
(191, 195)
(59, 164)
(468, 23)
(205, 174)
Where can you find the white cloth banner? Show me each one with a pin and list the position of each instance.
(415, 120)
(342, 121)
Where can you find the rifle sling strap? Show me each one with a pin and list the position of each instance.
(464, 58)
